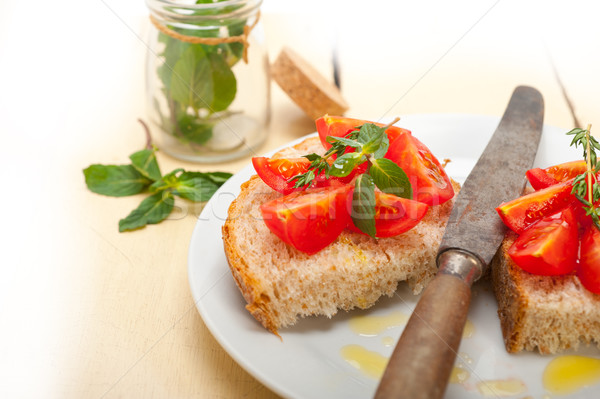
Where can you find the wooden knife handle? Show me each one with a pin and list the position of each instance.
(423, 359)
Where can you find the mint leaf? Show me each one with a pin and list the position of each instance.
(373, 137)
(166, 182)
(152, 210)
(173, 49)
(144, 161)
(344, 165)
(383, 147)
(390, 178)
(363, 204)
(216, 177)
(193, 129)
(194, 186)
(346, 141)
(223, 83)
(192, 83)
(368, 132)
(115, 180)
(203, 80)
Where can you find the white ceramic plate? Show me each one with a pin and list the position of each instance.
(307, 362)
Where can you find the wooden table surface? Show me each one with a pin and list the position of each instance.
(88, 312)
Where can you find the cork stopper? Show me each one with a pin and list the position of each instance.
(306, 87)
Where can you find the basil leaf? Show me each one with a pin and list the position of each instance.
(345, 164)
(363, 204)
(192, 83)
(152, 210)
(144, 161)
(195, 186)
(115, 180)
(390, 178)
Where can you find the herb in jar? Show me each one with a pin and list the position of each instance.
(198, 79)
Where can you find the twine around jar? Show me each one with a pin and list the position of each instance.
(243, 38)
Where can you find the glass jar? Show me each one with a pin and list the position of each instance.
(207, 78)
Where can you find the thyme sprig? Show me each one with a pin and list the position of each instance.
(320, 164)
(585, 186)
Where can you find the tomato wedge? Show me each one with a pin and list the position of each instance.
(542, 178)
(539, 178)
(522, 212)
(394, 215)
(431, 184)
(566, 171)
(340, 126)
(429, 180)
(588, 269)
(276, 172)
(549, 247)
(308, 220)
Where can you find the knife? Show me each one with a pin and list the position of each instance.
(422, 361)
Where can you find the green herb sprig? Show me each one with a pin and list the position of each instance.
(197, 79)
(370, 144)
(143, 175)
(585, 185)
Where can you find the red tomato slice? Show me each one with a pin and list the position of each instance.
(339, 126)
(429, 180)
(542, 178)
(549, 247)
(276, 172)
(522, 212)
(394, 215)
(584, 220)
(539, 178)
(308, 220)
(588, 269)
(566, 171)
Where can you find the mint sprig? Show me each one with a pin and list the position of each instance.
(143, 175)
(585, 186)
(198, 80)
(370, 144)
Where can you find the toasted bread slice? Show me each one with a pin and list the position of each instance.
(281, 284)
(550, 313)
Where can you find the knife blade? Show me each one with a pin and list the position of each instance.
(422, 361)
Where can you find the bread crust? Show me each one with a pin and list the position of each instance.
(281, 284)
(545, 313)
(248, 284)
